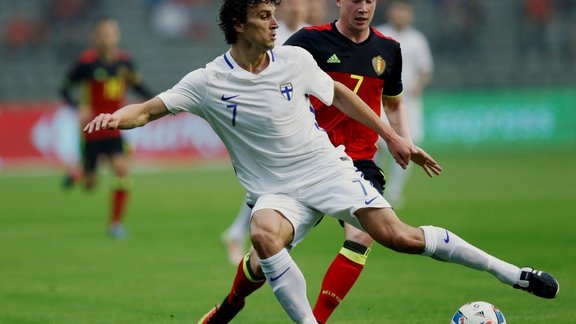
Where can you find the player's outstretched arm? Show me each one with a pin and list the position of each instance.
(130, 116)
(350, 104)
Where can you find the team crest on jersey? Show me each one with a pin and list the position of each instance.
(287, 90)
(378, 64)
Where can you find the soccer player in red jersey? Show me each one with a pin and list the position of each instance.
(104, 73)
(370, 64)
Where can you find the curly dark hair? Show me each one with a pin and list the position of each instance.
(235, 11)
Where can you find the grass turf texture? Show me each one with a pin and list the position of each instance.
(58, 266)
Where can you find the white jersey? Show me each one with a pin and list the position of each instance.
(265, 120)
(416, 60)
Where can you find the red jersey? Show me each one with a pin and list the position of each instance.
(371, 69)
(103, 85)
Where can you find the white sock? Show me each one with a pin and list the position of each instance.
(289, 286)
(447, 246)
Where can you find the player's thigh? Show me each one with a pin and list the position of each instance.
(270, 232)
(301, 217)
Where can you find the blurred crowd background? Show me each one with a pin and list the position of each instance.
(475, 43)
(504, 72)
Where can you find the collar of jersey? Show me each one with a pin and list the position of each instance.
(348, 40)
(233, 66)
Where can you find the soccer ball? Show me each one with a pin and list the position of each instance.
(478, 312)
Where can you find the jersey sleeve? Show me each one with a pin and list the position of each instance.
(393, 84)
(77, 72)
(299, 38)
(318, 83)
(134, 79)
(134, 76)
(187, 95)
(75, 75)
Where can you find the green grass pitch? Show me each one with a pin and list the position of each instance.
(58, 266)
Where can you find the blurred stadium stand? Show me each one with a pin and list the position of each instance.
(492, 43)
(33, 66)
(476, 43)
(505, 74)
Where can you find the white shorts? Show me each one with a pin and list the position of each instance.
(340, 195)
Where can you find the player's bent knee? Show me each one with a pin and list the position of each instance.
(265, 242)
(259, 236)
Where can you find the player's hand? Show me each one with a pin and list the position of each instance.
(102, 122)
(423, 159)
(401, 151)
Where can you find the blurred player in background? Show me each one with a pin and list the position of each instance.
(416, 75)
(317, 12)
(104, 73)
(292, 17)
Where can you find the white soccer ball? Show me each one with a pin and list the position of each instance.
(478, 312)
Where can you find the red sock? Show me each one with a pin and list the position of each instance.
(338, 280)
(119, 199)
(244, 284)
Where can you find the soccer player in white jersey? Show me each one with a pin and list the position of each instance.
(417, 68)
(293, 15)
(255, 97)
